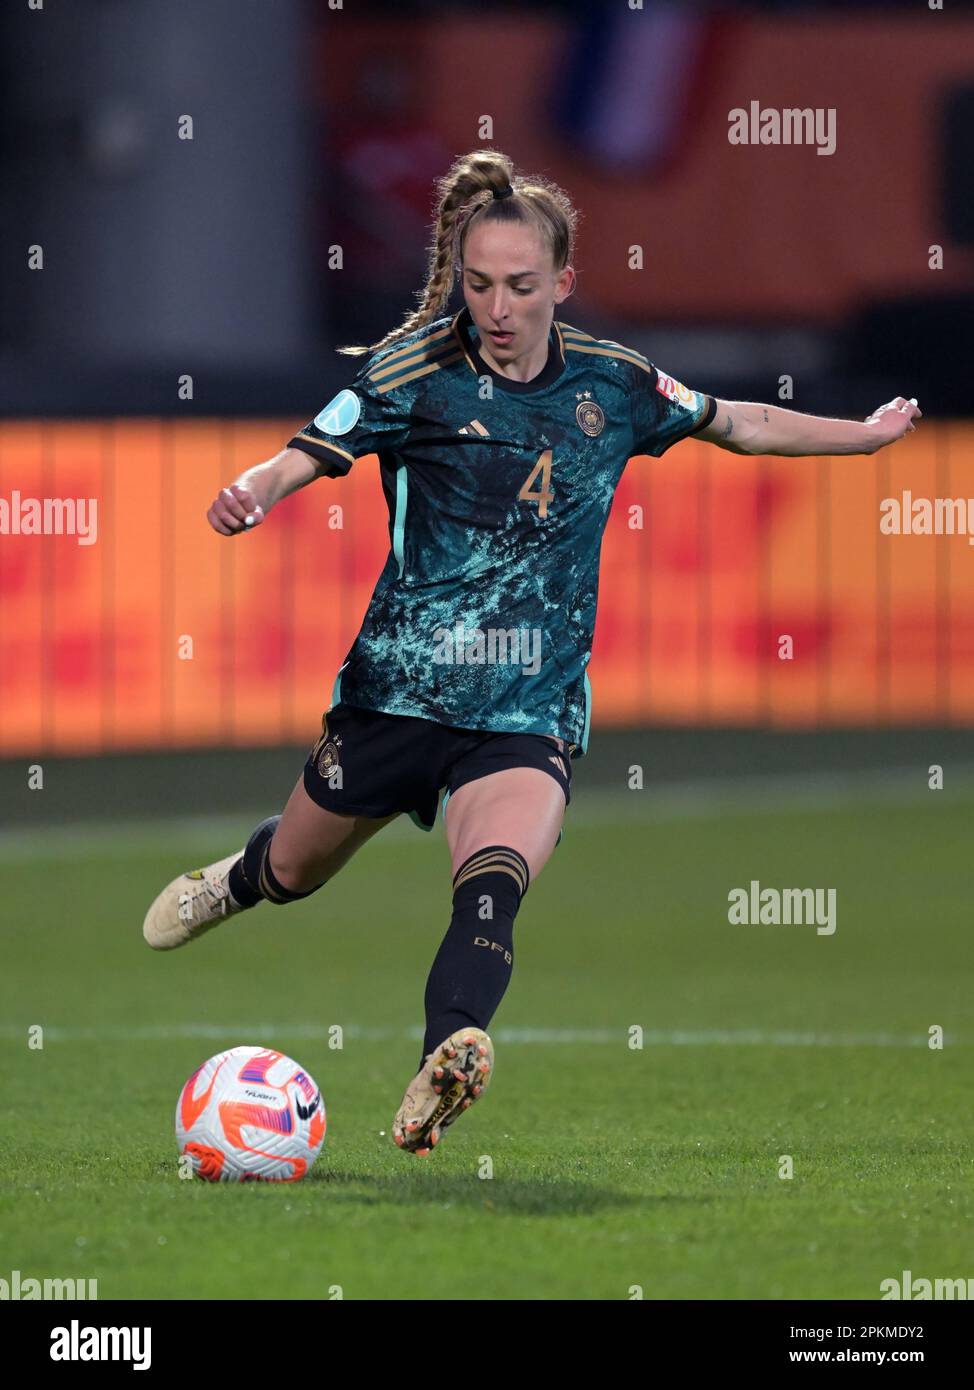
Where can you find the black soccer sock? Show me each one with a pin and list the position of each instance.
(473, 966)
(252, 879)
(244, 878)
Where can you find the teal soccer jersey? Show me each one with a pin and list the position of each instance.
(498, 494)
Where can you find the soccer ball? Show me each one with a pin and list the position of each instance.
(250, 1114)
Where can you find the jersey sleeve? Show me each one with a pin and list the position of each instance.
(362, 419)
(664, 411)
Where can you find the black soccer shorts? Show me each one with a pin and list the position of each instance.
(368, 763)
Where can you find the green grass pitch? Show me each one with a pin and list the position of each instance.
(613, 1167)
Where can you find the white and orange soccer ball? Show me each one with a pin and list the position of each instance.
(250, 1114)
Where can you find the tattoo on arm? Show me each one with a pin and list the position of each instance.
(728, 428)
(765, 417)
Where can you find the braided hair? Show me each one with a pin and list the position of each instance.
(476, 187)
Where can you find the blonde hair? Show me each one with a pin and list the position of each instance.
(467, 193)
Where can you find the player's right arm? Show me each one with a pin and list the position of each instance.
(362, 419)
(258, 489)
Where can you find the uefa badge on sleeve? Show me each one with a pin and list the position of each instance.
(340, 415)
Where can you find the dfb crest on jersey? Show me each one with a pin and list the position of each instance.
(591, 417)
(340, 414)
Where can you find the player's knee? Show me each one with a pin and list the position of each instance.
(534, 854)
(496, 873)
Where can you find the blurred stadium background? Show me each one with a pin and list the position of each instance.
(214, 259)
(313, 129)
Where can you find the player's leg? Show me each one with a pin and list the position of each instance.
(522, 807)
(351, 786)
(287, 857)
(501, 830)
(307, 847)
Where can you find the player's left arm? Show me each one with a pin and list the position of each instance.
(748, 427)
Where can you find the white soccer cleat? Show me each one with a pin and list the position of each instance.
(191, 905)
(452, 1077)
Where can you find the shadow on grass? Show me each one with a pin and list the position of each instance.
(519, 1196)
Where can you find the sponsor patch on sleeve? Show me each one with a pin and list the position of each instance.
(676, 391)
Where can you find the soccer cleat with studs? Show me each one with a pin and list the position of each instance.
(452, 1077)
(192, 904)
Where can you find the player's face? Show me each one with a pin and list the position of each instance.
(511, 287)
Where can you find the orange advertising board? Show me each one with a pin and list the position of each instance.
(733, 589)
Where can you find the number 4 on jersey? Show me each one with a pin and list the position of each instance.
(546, 495)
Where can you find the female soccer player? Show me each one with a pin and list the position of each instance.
(502, 434)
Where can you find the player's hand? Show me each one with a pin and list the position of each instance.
(235, 510)
(891, 421)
